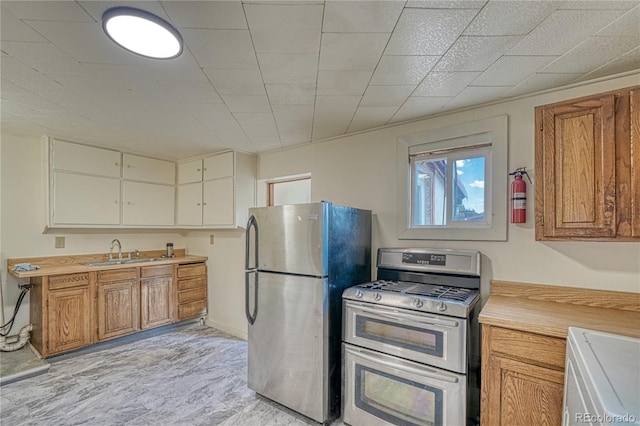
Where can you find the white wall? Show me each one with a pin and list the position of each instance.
(22, 221)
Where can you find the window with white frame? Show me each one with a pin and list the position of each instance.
(289, 191)
(452, 182)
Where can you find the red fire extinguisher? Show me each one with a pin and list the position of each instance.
(519, 196)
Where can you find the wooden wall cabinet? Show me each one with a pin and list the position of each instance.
(522, 378)
(156, 296)
(588, 168)
(118, 303)
(191, 291)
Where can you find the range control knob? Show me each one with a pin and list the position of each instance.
(377, 297)
(442, 307)
(359, 294)
(417, 303)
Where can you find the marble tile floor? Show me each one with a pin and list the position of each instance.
(193, 375)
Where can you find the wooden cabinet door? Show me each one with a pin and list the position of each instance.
(85, 200)
(575, 161)
(69, 319)
(635, 162)
(522, 394)
(148, 204)
(155, 302)
(189, 209)
(218, 202)
(118, 308)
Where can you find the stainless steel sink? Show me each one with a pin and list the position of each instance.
(120, 262)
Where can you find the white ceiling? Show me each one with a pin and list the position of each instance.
(260, 75)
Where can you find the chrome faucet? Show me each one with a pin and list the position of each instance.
(119, 249)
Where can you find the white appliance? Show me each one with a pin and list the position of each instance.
(602, 379)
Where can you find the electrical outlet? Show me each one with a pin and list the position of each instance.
(59, 242)
(211, 239)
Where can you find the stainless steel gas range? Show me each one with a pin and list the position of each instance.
(411, 344)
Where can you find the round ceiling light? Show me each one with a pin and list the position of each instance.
(142, 32)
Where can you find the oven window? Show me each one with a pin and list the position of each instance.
(396, 399)
(399, 335)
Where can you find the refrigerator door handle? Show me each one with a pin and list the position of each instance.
(251, 317)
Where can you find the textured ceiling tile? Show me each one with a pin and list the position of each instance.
(475, 95)
(285, 68)
(512, 70)
(292, 112)
(628, 62)
(47, 11)
(236, 81)
(386, 95)
(348, 82)
(182, 68)
(628, 25)
(257, 124)
(293, 132)
(445, 84)
(475, 53)
(604, 4)
(368, 117)
(291, 94)
(97, 8)
(539, 82)
(44, 57)
(189, 91)
(282, 28)
(266, 143)
(427, 31)
(325, 130)
(417, 107)
(563, 30)
(351, 51)
(452, 4)
(13, 29)
(591, 54)
(332, 106)
(246, 103)
(361, 17)
(510, 17)
(221, 48)
(403, 69)
(206, 14)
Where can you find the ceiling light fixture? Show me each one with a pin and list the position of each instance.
(142, 32)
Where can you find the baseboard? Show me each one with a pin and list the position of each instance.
(226, 328)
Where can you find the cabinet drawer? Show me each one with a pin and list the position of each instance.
(192, 283)
(192, 295)
(188, 310)
(193, 270)
(118, 275)
(156, 271)
(532, 347)
(57, 282)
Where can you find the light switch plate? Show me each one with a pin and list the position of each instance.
(211, 239)
(59, 242)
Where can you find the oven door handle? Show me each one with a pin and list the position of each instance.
(424, 372)
(397, 316)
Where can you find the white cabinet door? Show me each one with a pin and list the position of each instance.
(190, 204)
(135, 167)
(147, 204)
(79, 158)
(85, 200)
(218, 166)
(190, 171)
(218, 202)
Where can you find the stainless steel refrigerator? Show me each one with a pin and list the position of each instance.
(299, 259)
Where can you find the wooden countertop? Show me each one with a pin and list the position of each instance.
(57, 265)
(551, 310)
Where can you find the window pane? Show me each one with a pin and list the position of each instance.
(290, 192)
(430, 192)
(468, 190)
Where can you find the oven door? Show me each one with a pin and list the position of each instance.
(381, 389)
(436, 340)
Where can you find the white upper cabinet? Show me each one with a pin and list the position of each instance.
(84, 200)
(218, 205)
(189, 204)
(145, 169)
(218, 166)
(147, 204)
(78, 158)
(190, 171)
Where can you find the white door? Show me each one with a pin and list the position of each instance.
(190, 204)
(148, 204)
(218, 202)
(85, 200)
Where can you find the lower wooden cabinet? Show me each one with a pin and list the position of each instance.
(156, 294)
(118, 303)
(522, 377)
(192, 290)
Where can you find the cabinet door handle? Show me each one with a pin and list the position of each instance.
(117, 164)
(204, 204)
(198, 169)
(116, 201)
(205, 169)
(197, 204)
(129, 166)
